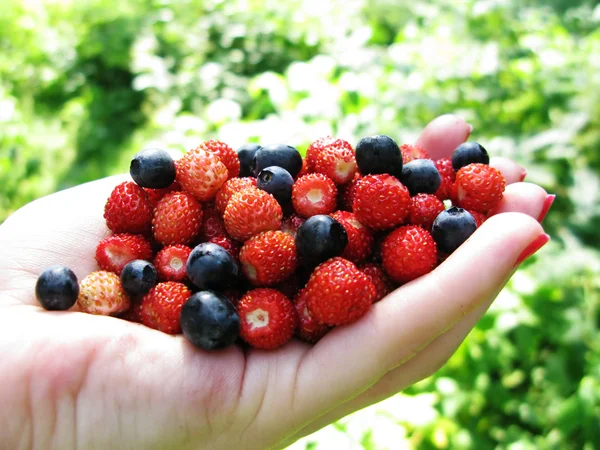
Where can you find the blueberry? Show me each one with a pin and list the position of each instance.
(57, 288)
(152, 168)
(276, 181)
(421, 176)
(246, 155)
(138, 277)
(320, 238)
(280, 155)
(209, 321)
(210, 266)
(451, 228)
(469, 153)
(379, 154)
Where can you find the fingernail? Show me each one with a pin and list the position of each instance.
(470, 130)
(538, 243)
(523, 174)
(547, 204)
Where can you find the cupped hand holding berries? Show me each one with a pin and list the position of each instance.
(74, 380)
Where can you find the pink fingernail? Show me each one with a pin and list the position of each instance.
(470, 130)
(547, 204)
(523, 174)
(538, 243)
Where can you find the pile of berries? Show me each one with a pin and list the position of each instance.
(263, 244)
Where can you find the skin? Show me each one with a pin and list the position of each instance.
(71, 380)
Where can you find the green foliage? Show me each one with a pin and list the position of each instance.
(84, 85)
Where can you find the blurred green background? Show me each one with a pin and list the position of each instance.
(84, 85)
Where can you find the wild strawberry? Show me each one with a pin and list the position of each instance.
(161, 306)
(114, 252)
(479, 217)
(318, 146)
(412, 152)
(309, 330)
(304, 170)
(291, 223)
(444, 167)
(478, 187)
(336, 160)
(268, 258)
(408, 252)
(212, 223)
(230, 187)
(424, 208)
(233, 247)
(226, 154)
(360, 238)
(337, 293)
(267, 318)
(314, 194)
(291, 285)
(381, 201)
(347, 193)
(133, 314)
(155, 195)
(201, 173)
(101, 293)
(250, 212)
(177, 219)
(128, 209)
(170, 262)
(383, 284)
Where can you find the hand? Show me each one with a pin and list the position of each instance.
(72, 380)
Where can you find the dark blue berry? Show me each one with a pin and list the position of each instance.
(421, 176)
(57, 288)
(469, 153)
(320, 238)
(276, 181)
(138, 277)
(451, 228)
(210, 321)
(246, 155)
(379, 154)
(152, 168)
(210, 266)
(280, 155)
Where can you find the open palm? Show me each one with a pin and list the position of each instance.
(72, 380)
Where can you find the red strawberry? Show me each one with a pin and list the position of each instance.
(444, 167)
(114, 252)
(230, 187)
(304, 170)
(412, 152)
(154, 195)
(314, 194)
(267, 318)
(101, 293)
(336, 160)
(291, 285)
(212, 223)
(291, 223)
(226, 154)
(201, 173)
(133, 314)
(128, 209)
(424, 208)
(162, 305)
(360, 238)
(408, 252)
(319, 145)
(383, 284)
(250, 212)
(337, 293)
(268, 258)
(170, 262)
(479, 217)
(347, 193)
(308, 329)
(177, 219)
(478, 187)
(381, 201)
(233, 247)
